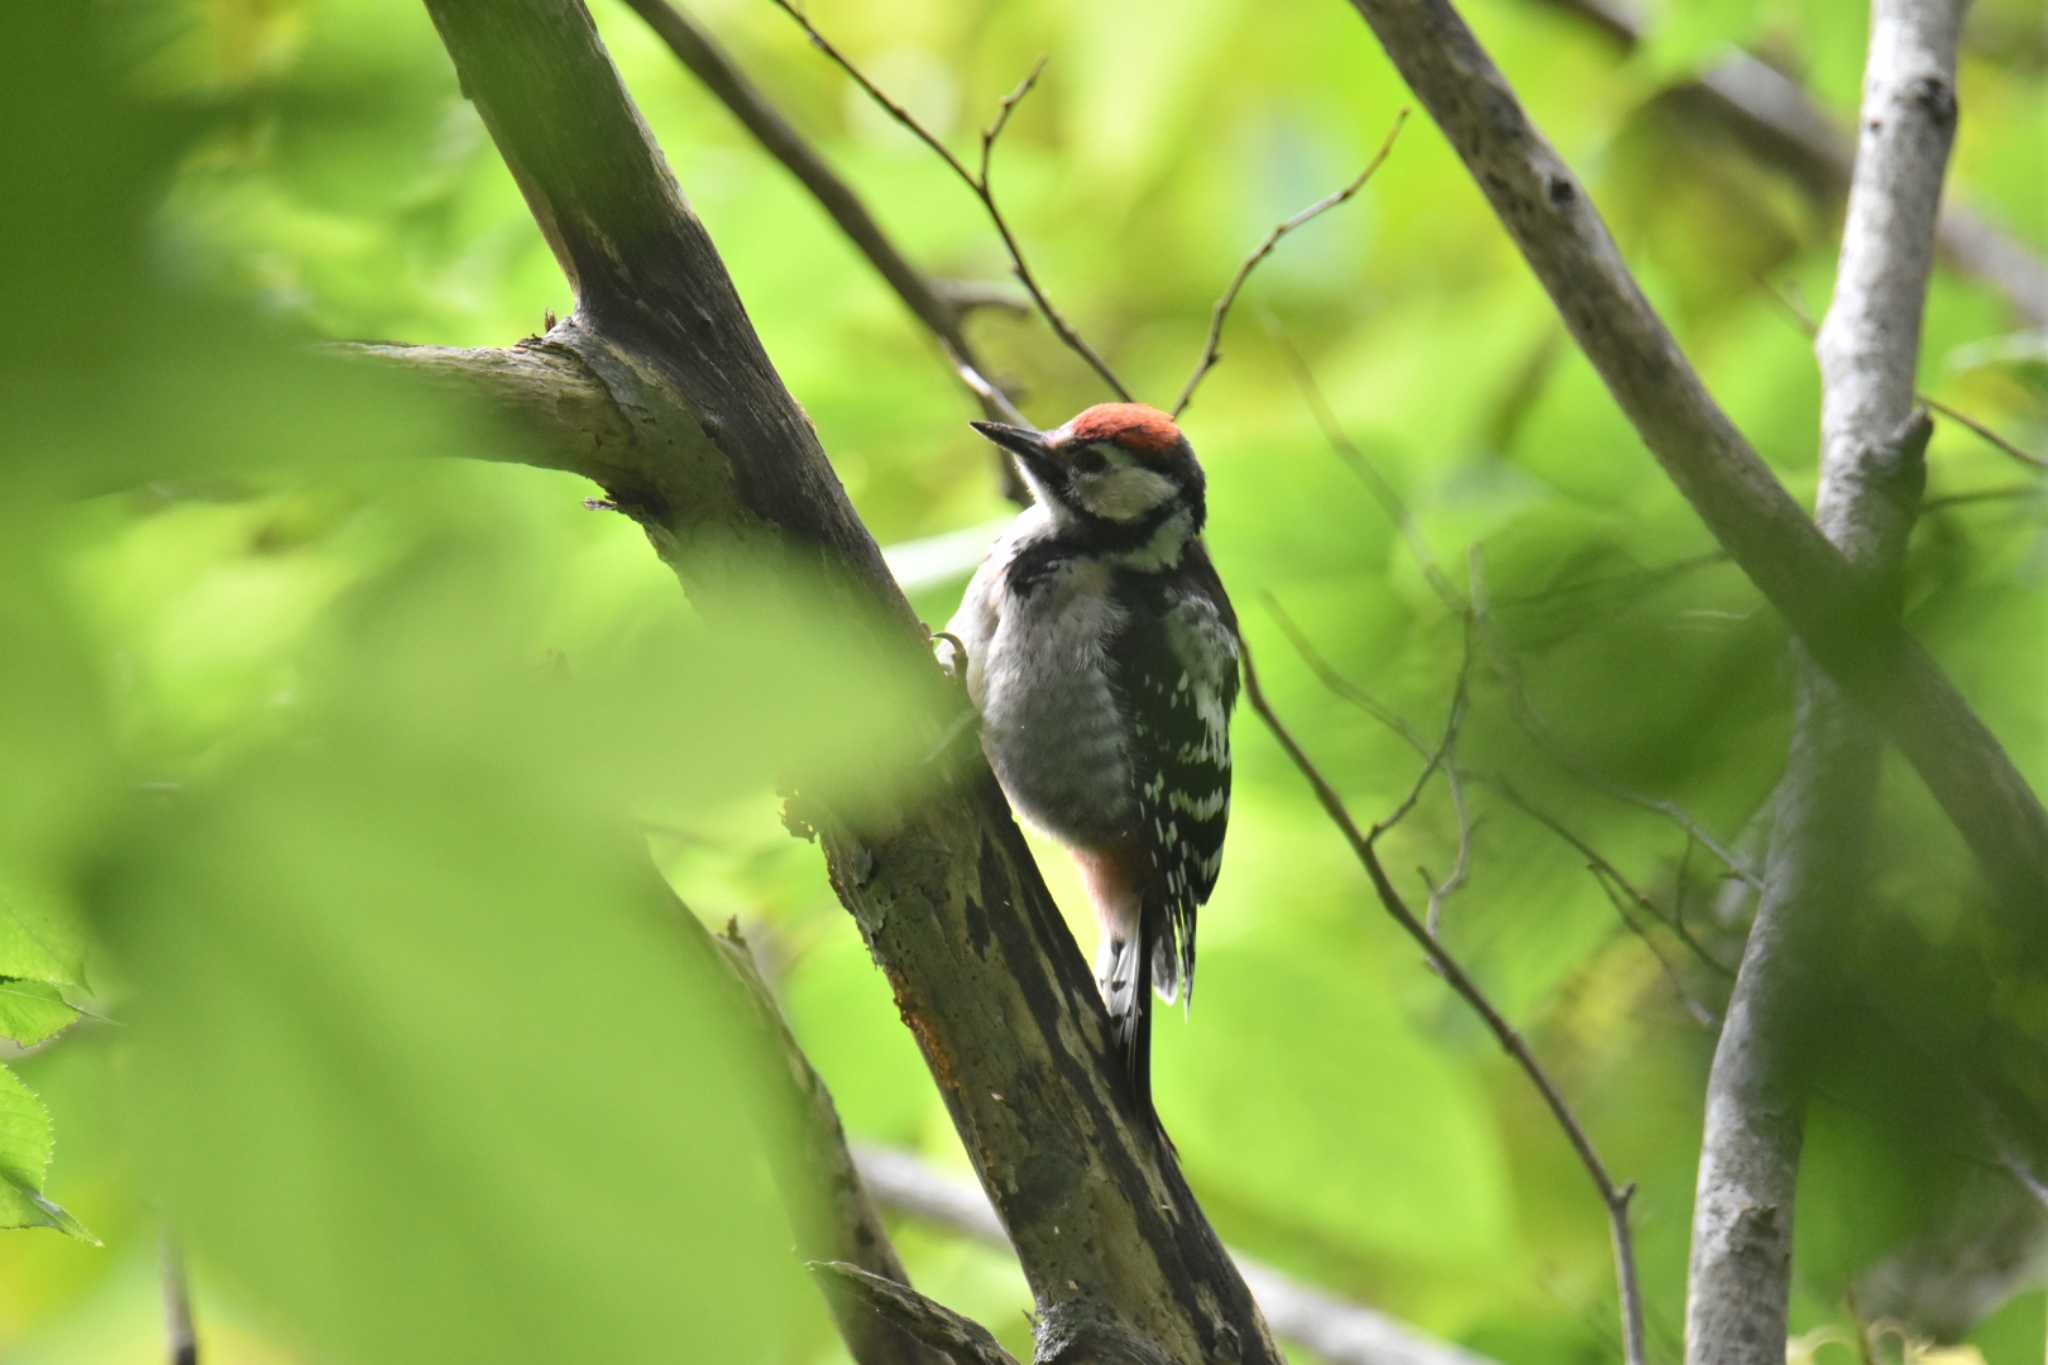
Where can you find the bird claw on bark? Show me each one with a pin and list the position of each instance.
(954, 661)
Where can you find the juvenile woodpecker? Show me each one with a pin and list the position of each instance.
(1102, 655)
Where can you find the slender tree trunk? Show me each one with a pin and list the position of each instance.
(705, 449)
(1871, 474)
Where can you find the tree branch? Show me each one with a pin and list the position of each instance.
(1956, 415)
(1615, 1198)
(830, 1214)
(855, 1292)
(1773, 113)
(1339, 1332)
(1547, 212)
(1872, 443)
(942, 307)
(1210, 353)
(543, 406)
(722, 467)
(978, 183)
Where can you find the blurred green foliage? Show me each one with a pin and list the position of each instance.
(325, 758)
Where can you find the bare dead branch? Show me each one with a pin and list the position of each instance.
(1615, 1198)
(854, 1291)
(940, 305)
(1772, 113)
(1806, 578)
(1210, 353)
(1338, 1331)
(980, 185)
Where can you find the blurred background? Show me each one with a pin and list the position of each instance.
(322, 914)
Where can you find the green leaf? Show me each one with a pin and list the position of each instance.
(25, 1148)
(31, 1011)
(38, 939)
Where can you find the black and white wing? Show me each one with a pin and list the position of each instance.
(1176, 668)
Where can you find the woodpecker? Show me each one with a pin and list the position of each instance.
(1102, 656)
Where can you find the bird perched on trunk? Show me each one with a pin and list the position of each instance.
(1102, 655)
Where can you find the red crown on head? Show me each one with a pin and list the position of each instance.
(1134, 426)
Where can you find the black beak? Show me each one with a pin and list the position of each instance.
(1026, 444)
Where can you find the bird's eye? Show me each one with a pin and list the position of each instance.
(1089, 460)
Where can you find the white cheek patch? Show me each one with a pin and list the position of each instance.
(1126, 492)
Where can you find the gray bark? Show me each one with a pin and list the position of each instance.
(1338, 1331)
(1871, 474)
(858, 1293)
(1775, 115)
(1828, 604)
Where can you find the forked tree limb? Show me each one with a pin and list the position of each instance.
(725, 473)
(1212, 348)
(1338, 1331)
(1615, 1197)
(855, 1292)
(1872, 445)
(1778, 117)
(1548, 213)
(941, 307)
(977, 181)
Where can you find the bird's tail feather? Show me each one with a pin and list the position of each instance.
(1125, 972)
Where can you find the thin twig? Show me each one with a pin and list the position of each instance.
(2025, 492)
(1619, 898)
(1629, 580)
(1538, 730)
(1341, 686)
(1615, 1197)
(1443, 756)
(1210, 353)
(1382, 488)
(980, 184)
(1605, 869)
(1461, 866)
(1806, 324)
(1439, 758)
(1983, 432)
(941, 305)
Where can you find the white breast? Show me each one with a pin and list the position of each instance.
(1039, 673)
